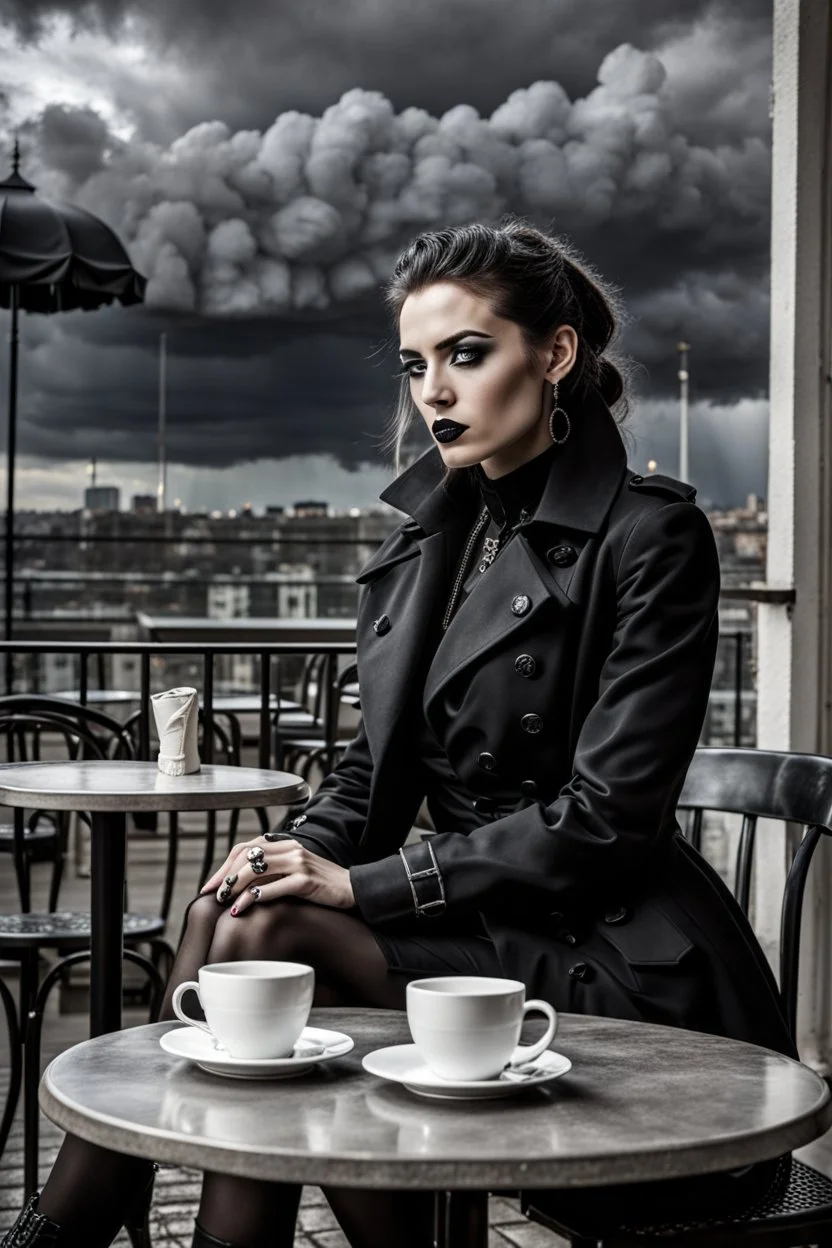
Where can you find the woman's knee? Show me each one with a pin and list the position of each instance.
(288, 930)
(201, 917)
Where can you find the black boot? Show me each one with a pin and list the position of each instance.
(202, 1239)
(137, 1221)
(32, 1229)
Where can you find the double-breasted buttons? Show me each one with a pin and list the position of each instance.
(381, 625)
(528, 788)
(487, 761)
(618, 914)
(520, 604)
(581, 971)
(562, 556)
(636, 480)
(484, 805)
(525, 665)
(531, 723)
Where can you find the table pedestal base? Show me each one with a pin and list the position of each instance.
(461, 1220)
(108, 852)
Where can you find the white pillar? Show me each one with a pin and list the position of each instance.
(795, 676)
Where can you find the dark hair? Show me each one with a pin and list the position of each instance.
(536, 280)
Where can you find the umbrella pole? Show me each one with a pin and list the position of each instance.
(10, 457)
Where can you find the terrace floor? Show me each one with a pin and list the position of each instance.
(177, 1191)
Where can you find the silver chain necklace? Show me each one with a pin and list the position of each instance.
(489, 554)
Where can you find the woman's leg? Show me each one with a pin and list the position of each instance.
(350, 969)
(90, 1190)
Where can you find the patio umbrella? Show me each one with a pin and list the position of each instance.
(53, 258)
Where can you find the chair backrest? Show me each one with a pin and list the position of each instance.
(766, 784)
(113, 741)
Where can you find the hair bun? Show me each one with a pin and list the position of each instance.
(610, 382)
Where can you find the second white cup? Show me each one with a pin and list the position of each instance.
(252, 1009)
(467, 1027)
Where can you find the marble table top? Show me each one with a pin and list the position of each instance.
(641, 1102)
(127, 785)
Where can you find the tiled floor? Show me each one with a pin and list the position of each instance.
(177, 1191)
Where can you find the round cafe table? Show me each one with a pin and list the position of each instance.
(110, 790)
(641, 1102)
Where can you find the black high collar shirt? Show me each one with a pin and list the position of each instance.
(514, 496)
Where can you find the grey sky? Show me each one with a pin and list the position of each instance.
(266, 161)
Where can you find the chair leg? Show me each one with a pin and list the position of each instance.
(233, 823)
(16, 1064)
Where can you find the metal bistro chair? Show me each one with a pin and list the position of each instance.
(24, 935)
(326, 748)
(43, 837)
(757, 784)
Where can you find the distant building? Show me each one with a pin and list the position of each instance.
(310, 507)
(143, 504)
(102, 498)
(274, 510)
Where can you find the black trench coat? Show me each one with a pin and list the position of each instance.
(588, 890)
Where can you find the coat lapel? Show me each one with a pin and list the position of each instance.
(486, 619)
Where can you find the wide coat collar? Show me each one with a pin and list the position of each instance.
(583, 481)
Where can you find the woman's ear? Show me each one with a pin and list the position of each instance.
(563, 352)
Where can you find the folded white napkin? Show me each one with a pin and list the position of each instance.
(176, 712)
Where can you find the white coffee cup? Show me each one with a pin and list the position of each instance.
(467, 1027)
(253, 1009)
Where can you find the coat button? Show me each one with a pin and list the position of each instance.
(581, 971)
(531, 723)
(562, 556)
(382, 625)
(297, 822)
(620, 914)
(636, 480)
(487, 761)
(528, 788)
(520, 604)
(568, 938)
(525, 665)
(484, 805)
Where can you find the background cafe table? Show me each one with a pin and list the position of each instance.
(641, 1102)
(109, 790)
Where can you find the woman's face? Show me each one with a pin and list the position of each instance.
(471, 379)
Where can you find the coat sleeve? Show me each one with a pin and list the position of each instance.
(631, 756)
(333, 821)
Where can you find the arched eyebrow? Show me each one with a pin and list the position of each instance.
(404, 354)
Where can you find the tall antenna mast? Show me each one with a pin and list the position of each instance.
(684, 377)
(163, 381)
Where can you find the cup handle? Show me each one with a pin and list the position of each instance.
(528, 1052)
(176, 1005)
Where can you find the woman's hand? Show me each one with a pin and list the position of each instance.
(261, 870)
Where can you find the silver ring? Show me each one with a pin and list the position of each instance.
(255, 892)
(256, 853)
(260, 867)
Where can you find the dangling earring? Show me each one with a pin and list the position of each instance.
(553, 414)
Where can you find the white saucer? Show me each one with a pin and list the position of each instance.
(315, 1045)
(401, 1063)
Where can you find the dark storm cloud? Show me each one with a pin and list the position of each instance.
(256, 58)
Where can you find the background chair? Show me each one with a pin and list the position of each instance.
(32, 727)
(302, 752)
(43, 836)
(757, 784)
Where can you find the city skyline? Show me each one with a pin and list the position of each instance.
(644, 137)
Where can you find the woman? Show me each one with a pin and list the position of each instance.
(535, 648)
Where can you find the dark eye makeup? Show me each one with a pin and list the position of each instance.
(476, 354)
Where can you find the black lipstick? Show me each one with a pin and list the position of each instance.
(445, 430)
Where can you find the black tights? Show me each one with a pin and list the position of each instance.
(90, 1189)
